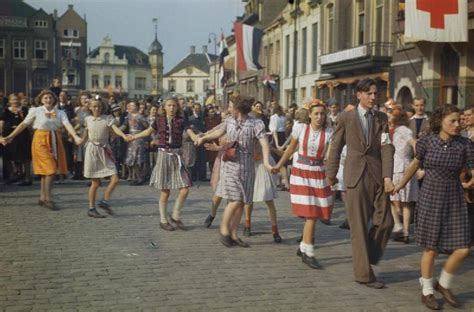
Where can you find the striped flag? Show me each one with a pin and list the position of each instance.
(248, 40)
(223, 52)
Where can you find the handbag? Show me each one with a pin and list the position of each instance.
(230, 151)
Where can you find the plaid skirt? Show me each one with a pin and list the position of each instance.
(169, 172)
(441, 216)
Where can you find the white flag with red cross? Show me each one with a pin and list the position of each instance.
(436, 20)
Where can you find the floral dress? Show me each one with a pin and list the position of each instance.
(136, 151)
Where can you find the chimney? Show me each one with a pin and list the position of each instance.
(70, 7)
(55, 14)
(204, 49)
(193, 49)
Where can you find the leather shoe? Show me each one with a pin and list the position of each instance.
(345, 225)
(105, 205)
(93, 213)
(247, 232)
(277, 238)
(373, 285)
(240, 243)
(310, 261)
(430, 302)
(177, 224)
(166, 226)
(50, 205)
(208, 221)
(299, 253)
(447, 295)
(227, 241)
(402, 239)
(325, 222)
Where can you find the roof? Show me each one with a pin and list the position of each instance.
(131, 53)
(16, 8)
(199, 60)
(155, 46)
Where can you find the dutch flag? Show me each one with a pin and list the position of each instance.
(248, 40)
(223, 52)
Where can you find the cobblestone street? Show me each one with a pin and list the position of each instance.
(65, 261)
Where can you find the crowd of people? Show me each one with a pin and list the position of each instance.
(392, 166)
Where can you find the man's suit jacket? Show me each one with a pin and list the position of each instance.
(424, 129)
(377, 158)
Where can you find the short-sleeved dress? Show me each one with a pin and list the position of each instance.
(311, 195)
(401, 160)
(441, 216)
(236, 180)
(136, 151)
(19, 149)
(98, 159)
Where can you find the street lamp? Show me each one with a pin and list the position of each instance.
(214, 37)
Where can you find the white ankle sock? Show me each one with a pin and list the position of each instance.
(398, 227)
(308, 249)
(445, 279)
(163, 213)
(426, 286)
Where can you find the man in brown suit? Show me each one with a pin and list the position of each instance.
(419, 123)
(368, 177)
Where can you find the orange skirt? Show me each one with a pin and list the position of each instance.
(43, 156)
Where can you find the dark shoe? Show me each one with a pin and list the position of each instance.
(325, 222)
(247, 232)
(177, 224)
(402, 239)
(345, 225)
(134, 183)
(166, 226)
(374, 284)
(94, 214)
(227, 241)
(25, 183)
(41, 202)
(50, 205)
(105, 205)
(430, 302)
(240, 243)
(310, 261)
(447, 295)
(299, 240)
(208, 221)
(299, 253)
(277, 238)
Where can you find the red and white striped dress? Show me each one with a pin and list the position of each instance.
(311, 195)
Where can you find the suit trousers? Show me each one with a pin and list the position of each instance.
(367, 205)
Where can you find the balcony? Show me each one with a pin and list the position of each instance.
(361, 58)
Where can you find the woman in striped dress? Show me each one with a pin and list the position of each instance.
(169, 172)
(311, 196)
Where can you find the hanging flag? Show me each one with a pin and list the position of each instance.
(248, 40)
(445, 21)
(223, 52)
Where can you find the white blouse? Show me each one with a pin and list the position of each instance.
(277, 123)
(298, 133)
(41, 118)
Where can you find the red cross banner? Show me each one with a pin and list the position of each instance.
(436, 20)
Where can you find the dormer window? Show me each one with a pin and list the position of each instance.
(41, 24)
(139, 61)
(107, 58)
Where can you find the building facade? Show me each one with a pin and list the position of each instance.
(71, 51)
(27, 44)
(191, 77)
(118, 70)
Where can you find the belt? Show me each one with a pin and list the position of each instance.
(309, 161)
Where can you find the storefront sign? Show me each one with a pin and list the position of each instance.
(9, 21)
(344, 55)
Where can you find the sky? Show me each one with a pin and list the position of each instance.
(181, 23)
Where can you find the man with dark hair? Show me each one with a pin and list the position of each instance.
(368, 174)
(198, 124)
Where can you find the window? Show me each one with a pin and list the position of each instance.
(140, 83)
(71, 53)
(378, 21)
(314, 54)
(106, 81)
(2, 48)
(304, 51)
(360, 22)
(70, 77)
(40, 80)
(330, 27)
(19, 49)
(302, 94)
(205, 85)
(190, 85)
(41, 49)
(71, 33)
(118, 82)
(270, 59)
(287, 56)
(95, 81)
(266, 60)
(106, 58)
(41, 24)
(277, 63)
(171, 85)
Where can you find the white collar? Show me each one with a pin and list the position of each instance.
(422, 117)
